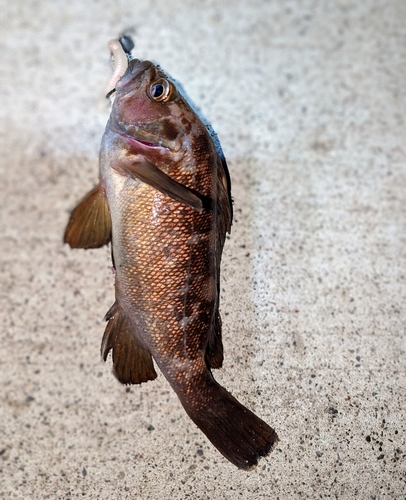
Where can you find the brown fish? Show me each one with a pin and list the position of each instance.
(164, 203)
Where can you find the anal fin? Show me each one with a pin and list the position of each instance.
(132, 363)
(89, 225)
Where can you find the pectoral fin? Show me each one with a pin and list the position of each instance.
(89, 225)
(154, 177)
(132, 363)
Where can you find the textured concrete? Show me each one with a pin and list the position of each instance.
(308, 99)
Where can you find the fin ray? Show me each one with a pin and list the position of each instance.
(238, 434)
(89, 224)
(132, 363)
(154, 177)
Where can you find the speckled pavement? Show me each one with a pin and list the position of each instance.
(308, 99)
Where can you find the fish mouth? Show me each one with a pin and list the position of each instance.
(140, 135)
(142, 139)
(134, 141)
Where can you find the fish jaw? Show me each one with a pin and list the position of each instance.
(136, 114)
(117, 146)
(169, 130)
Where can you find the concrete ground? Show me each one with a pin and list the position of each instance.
(308, 99)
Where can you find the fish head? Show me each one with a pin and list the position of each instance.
(151, 115)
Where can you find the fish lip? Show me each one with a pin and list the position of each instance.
(142, 143)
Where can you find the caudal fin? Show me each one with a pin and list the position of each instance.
(235, 431)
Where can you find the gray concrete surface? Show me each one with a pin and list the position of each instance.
(308, 99)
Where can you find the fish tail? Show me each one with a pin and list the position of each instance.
(235, 431)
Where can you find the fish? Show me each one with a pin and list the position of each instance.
(164, 203)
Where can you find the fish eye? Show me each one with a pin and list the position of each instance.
(161, 91)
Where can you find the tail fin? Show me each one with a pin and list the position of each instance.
(235, 431)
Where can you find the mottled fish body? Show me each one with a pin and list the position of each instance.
(164, 203)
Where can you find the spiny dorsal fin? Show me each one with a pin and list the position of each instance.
(89, 225)
(132, 363)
